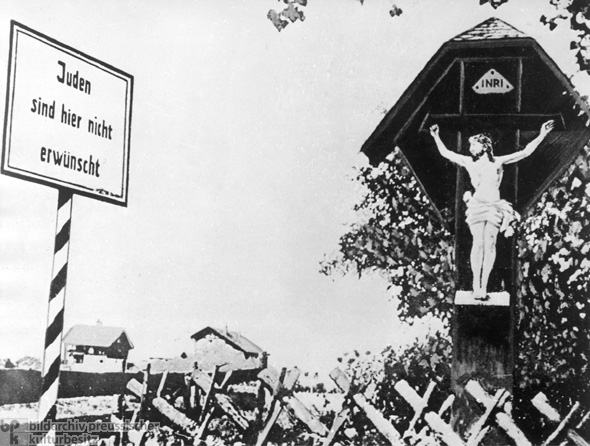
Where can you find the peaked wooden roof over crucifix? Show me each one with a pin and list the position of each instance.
(490, 29)
(448, 92)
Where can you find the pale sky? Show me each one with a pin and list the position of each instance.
(243, 144)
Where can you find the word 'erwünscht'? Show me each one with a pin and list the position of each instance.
(68, 161)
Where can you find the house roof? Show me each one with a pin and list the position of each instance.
(492, 28)
(94, 335)
(234, 339)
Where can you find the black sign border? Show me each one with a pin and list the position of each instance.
(52, 182)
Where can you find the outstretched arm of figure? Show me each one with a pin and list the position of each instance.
(531, 146)
(448, 154)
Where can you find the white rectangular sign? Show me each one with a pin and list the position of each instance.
(68, 118)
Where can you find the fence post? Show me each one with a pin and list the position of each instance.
(542, 404)
(434, 420)
(383, 426)
(503, 420)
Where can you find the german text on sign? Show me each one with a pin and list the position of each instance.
(68, 118)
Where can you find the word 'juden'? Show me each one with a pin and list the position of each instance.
(73, 80)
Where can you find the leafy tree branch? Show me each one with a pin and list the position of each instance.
(400, 237)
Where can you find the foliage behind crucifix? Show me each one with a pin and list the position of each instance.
(552, 331)
(401, 237)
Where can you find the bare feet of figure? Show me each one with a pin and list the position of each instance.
(480, 294)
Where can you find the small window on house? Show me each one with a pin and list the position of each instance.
(79, 359)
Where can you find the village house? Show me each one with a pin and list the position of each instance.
(215, 347)
(228, 350)
(96, 348)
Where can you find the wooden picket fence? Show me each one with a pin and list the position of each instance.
(496, 414)
(433, 429)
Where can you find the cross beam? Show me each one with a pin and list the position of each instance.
(508, 121)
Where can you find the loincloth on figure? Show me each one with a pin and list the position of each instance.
(498, 213)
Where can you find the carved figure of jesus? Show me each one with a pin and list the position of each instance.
(486, 213)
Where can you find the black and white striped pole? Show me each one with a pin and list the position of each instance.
(69, 153)
(55, 313)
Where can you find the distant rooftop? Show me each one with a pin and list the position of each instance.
(232, 338)
(94, 335)
(492, 28)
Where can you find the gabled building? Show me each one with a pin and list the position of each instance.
(96, 348)
(226, 349)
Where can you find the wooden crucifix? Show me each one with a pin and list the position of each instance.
(486, 151)
(486, 213)
(490, 84)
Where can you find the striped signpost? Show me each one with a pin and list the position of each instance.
(55, 312)
(67, 125)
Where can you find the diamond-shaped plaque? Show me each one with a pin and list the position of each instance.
(492, 83)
